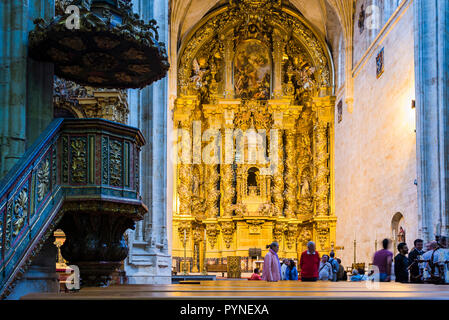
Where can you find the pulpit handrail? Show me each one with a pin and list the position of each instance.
(11, 177)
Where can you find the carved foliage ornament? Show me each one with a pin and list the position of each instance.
(278, 230)
(43, 179)
(292, 232)
(115, 160)
(184, 228)
(323, 233)
(78, 150)
(305, 235)
(212, 232)
(227, 229)
(20, 212)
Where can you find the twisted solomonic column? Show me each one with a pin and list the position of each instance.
(277, 188)
(321, 167)
(228, 189)
(185, 169)
(304, 164)
(290, 173)
(212, 191)
(323, 108)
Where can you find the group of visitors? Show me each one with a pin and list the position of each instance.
(312, 267)
(419, 266)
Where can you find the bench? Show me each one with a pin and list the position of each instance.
(217, 268)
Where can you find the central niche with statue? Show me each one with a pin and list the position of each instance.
(254, 117)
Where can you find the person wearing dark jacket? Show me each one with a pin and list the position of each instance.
(401, 264)
(413, 256)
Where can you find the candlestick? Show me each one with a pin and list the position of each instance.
(185, 252)
(355, 251)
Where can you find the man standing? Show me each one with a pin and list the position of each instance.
(271, 265)
(413, 257)
(401, 263)
(428, 256)
(341, 274)
(382, 260)
(334, 263)
(309, 263)
(284, 268)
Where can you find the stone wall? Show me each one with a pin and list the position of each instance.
(375, 146)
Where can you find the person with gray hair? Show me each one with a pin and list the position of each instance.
(310, 263)
(271, 264)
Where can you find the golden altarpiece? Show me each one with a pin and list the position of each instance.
(255, 96)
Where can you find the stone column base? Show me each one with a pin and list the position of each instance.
(146, 268)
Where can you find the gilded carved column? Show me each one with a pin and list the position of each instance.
(227, 171)
(322, 170)
(185, 170)
(289, 122)
(323, 110)
(304, 163)
(183, 119)
(228, 41)
(212, 178)
(277, 159)
(290, 173)
(212, 159)
(277, 63)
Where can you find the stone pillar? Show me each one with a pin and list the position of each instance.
(41, 275)
(39, 80)
(431, 19)
(149, 260)
(26, 85)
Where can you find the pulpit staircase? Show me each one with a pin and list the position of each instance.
(81, 175)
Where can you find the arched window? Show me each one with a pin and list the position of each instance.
(398, 230)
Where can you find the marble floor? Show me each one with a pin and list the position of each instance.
(244, 289)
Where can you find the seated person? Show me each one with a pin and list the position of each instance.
(255, 275)
(356, 276)
(362, 274)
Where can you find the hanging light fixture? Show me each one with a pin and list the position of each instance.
(101, 44)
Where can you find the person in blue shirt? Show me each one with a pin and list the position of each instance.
(291, 273)
(356, 276)
(334, 264)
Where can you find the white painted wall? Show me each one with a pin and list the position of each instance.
(375, 147)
